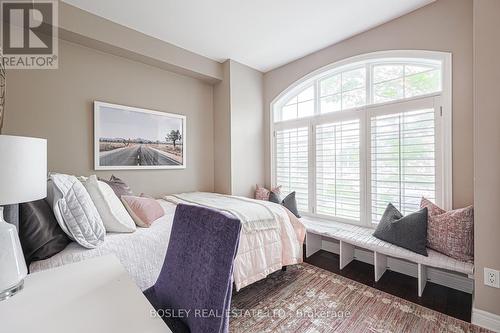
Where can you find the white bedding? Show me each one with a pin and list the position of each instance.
(261, 250)
(142, 253)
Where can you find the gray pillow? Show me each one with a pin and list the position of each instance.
(119, 186)
(40, 235)
(291, 203)
(273, 197)
(408, 231)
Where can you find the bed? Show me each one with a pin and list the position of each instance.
(263, 249)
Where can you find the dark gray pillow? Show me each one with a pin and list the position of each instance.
(40, 235)
(119, 186)
(291, 204)
(408, 231)
(273, 197)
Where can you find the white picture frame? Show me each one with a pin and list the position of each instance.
(131, 138)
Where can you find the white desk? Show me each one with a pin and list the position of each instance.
(95, 295)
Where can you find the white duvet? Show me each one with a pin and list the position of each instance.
(262, 250)
(142, 253)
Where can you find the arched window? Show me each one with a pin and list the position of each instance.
(369, 130)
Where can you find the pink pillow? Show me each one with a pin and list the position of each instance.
(262, 193)
(144, 211)
(450, 232)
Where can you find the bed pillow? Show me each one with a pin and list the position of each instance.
(262, 193)
(144, 211)
(451, 232)
(409, 232)
(113, 214)
(40, 235)
(291, 204)
(119, 186)
(74, 210)
(274, 197)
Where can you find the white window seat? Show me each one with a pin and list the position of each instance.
(351, 236)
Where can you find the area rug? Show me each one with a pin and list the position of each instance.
(309, 299)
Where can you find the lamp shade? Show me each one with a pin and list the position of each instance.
(23, 169)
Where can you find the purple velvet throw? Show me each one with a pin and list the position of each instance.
(195, 283)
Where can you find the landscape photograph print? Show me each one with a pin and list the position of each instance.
(134, 138)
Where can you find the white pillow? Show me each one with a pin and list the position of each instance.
(113, 214)
(74, 210)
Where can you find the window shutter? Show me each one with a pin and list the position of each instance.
(338, 190)
(403, 161)
(292, 164)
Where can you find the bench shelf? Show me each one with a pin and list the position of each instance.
(350, 237)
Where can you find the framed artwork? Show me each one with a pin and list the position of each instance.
(129, 138)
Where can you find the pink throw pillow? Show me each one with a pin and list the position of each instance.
(450, 232)
(262, 193)
(144, 211)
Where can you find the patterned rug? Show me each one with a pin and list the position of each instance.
(306, 298)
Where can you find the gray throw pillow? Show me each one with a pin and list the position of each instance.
(119, 186)
(408, 231)
(273, 197)
(291, 203)
(40, 235)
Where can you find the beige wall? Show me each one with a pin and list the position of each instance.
(238, 130)
(445, 25)
(486, 150)
(247, 129)
(57, 105)
(222, 133)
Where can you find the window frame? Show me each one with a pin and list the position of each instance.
(442, 102)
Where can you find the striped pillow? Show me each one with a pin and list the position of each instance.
(450, 232)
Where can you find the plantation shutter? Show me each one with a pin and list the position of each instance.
(403, 161)
(338, 188)
(292, 164)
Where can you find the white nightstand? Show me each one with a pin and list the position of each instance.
(95, 295)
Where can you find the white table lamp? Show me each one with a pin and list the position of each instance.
(23, 178)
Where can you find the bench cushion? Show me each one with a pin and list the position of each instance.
(362, 237)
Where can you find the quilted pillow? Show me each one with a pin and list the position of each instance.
(74, 210)
(113, 214)
(262, 193)
(450, 232)
(144, 211)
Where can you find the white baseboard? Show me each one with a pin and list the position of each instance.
(486, 319)
(449, 279)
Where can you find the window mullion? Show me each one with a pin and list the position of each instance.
(364, 158)
(312, 168)
(369, 71)
(317, 110)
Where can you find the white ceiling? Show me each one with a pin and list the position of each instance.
(263, 34)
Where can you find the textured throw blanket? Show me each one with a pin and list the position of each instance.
(252, 214)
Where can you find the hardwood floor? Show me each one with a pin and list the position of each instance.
(449, 301)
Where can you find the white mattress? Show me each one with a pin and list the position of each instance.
(141, 253)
